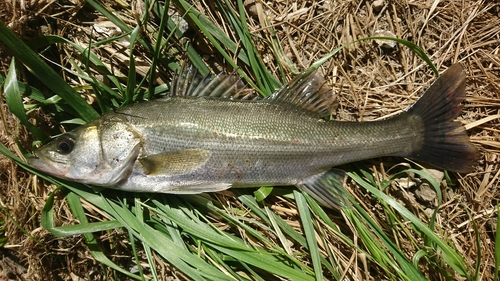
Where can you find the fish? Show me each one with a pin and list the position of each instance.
(208, 134)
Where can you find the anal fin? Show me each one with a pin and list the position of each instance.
(327, 188)
(200, 188)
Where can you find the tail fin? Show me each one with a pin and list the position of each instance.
(446, 145)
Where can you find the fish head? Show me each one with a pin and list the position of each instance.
(102, 153)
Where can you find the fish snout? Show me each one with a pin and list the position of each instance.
(49, 167)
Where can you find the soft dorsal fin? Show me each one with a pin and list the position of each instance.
(307, 91)
(189, 83)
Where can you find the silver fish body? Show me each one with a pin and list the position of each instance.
(252, 143)
(192, 142)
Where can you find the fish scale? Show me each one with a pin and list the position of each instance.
(198, 125)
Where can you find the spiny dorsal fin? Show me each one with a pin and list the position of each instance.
(307, 91)
(189, 83)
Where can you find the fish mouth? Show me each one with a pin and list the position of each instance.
(48, 167)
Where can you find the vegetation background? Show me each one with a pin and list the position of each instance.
(441, 230)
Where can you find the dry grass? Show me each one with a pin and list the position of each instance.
(371, 83)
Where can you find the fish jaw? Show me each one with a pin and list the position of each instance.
(50, 167)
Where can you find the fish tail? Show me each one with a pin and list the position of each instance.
(445, 143)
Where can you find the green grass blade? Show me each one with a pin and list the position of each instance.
(413, 47)
(478, 243)
(89, 58)
(3, 238)
(28, 234)
(274, 249)
(365, 225)
(497, 245)
(194, 58)
(148, 235)
(14, 101)
(160, 43)
(132, 240)
(111, 16)
(131, 79)
(432, 181)
(266, 261)
(139, 214)
(151, 261)
(197, 229)
(189, 264)
(450, 256)
(262, 76)
(77, 208)
(276, 227)
(47, 221)
(221, 42)
(45, 73)
(250, 202)
(262, 193)
(305, 218)
(292, 233)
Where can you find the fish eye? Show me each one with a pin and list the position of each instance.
(65, 144)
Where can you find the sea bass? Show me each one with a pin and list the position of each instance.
(207, 136)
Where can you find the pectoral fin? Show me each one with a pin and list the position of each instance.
(174, 163)
(327, 188)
